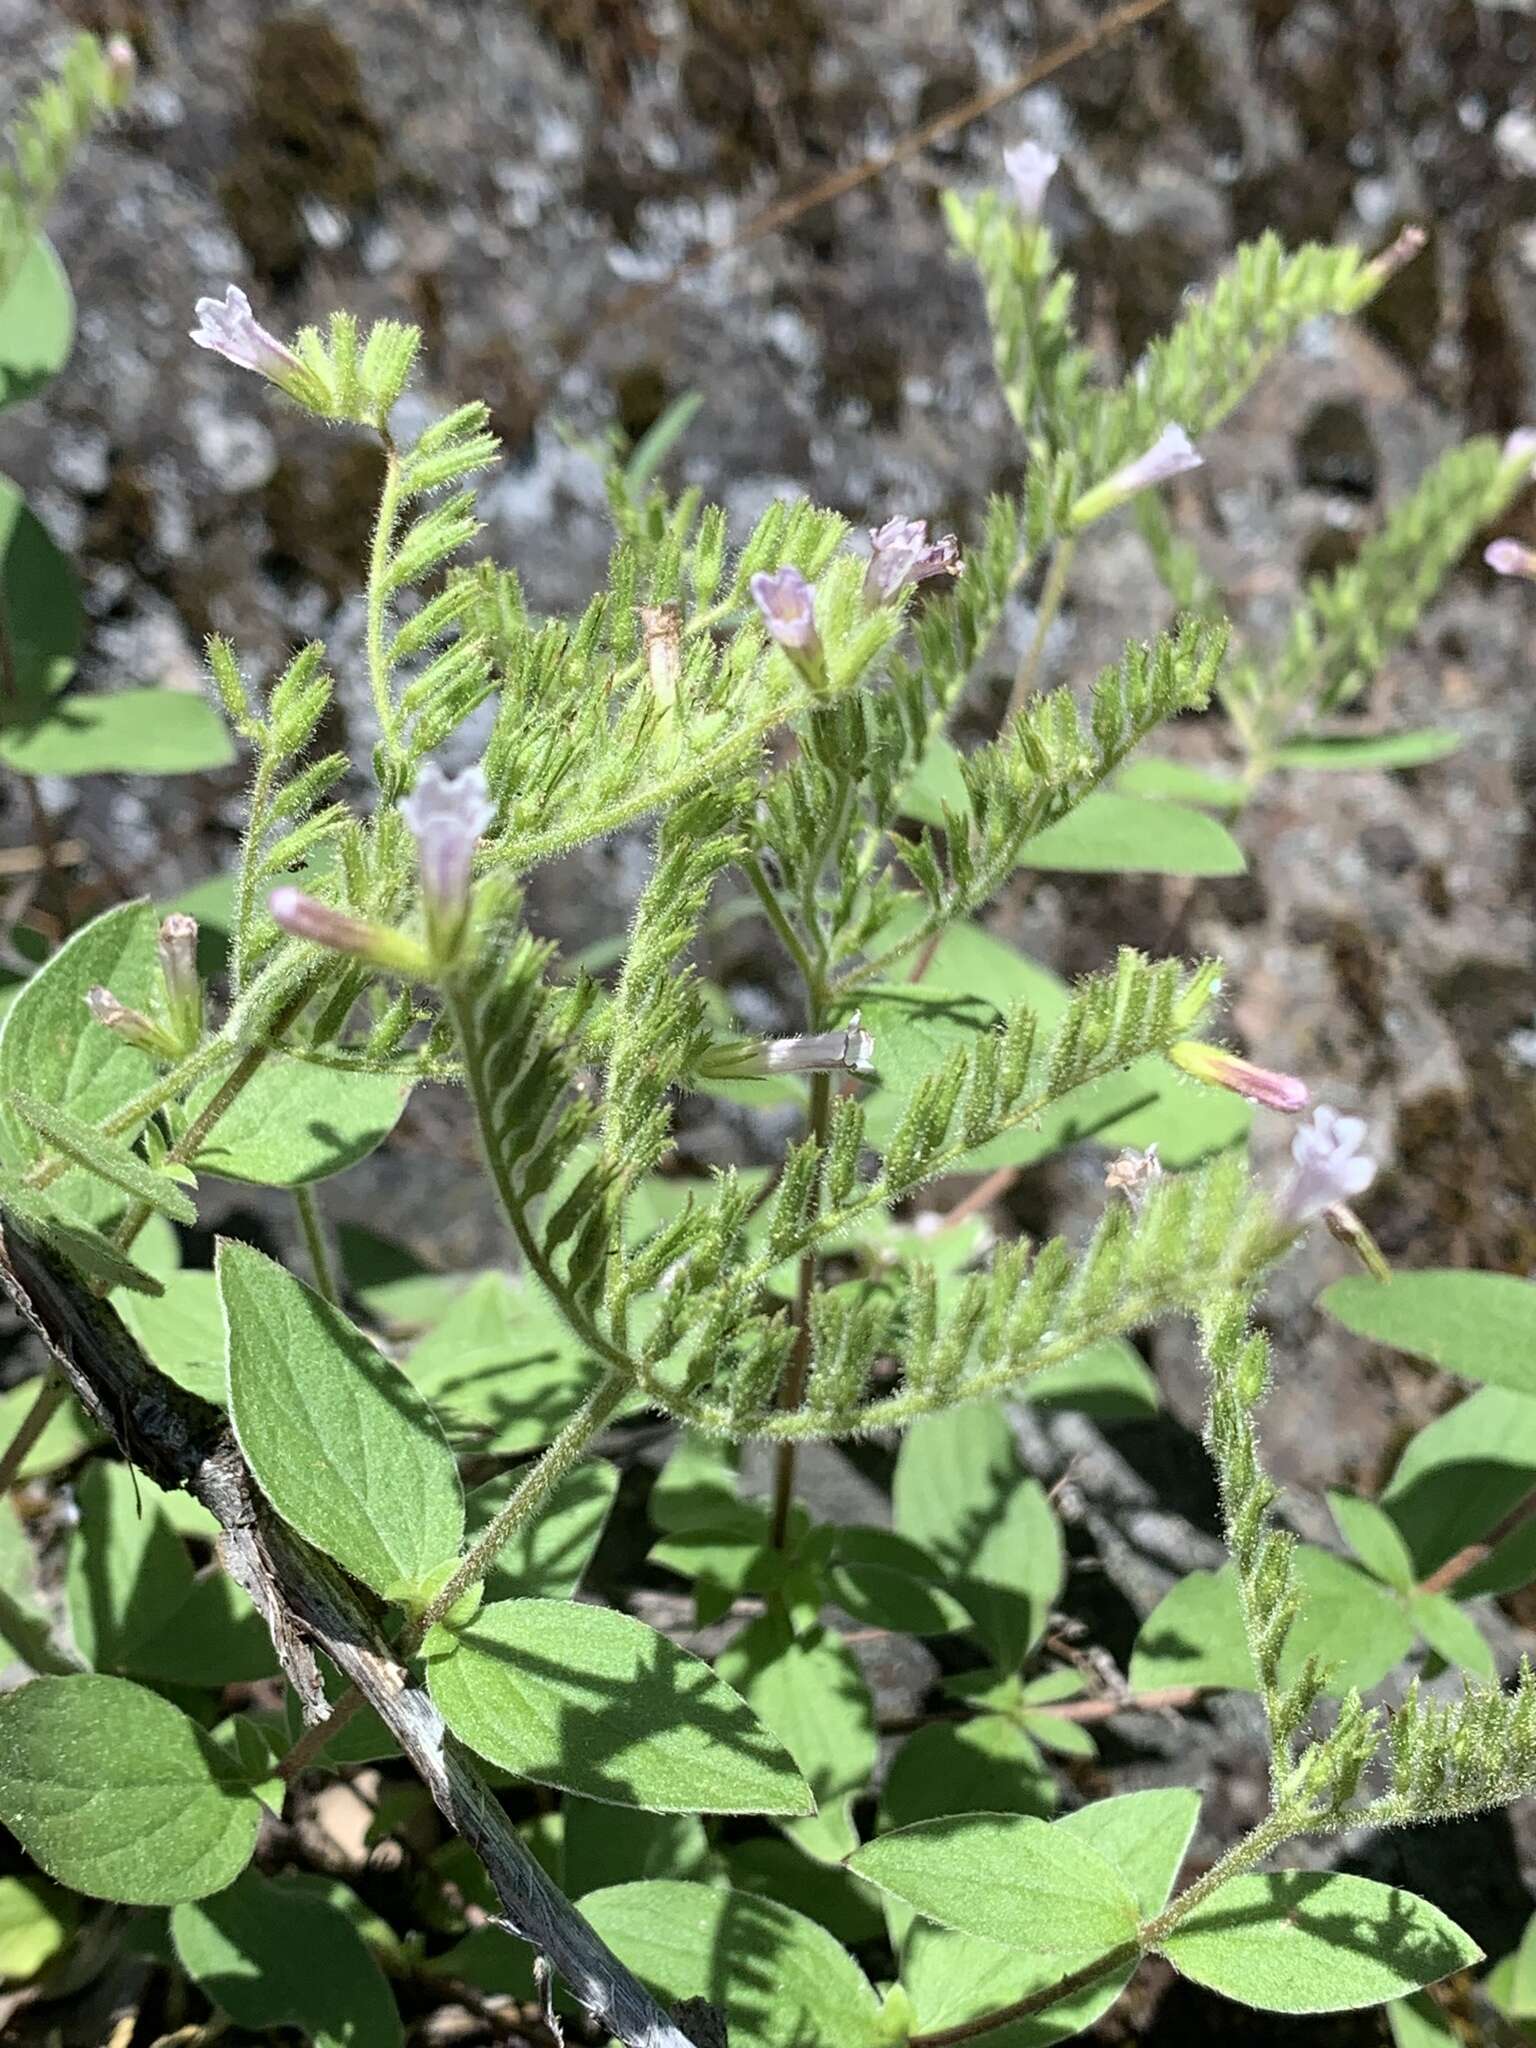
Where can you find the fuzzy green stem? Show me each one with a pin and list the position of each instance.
(1052, 593)
(377, 599)
(175, 1081)
(789, 938)
(568, 1448)
(792, 1390)
(250, 869)
(45, 1405)
(321, 1263)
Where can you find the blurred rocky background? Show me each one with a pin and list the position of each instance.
(505, 172)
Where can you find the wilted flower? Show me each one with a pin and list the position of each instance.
(1225, 1070)
(901, 554)
(1030, 169)
(849, 1050)
(662, 626)
(1330, 1167)
(446, 815)
(231, 330)
(789, 612)
(183, 986)
(132, 1026)
(1134, 1174)
(306, 917)
(1511, 558)
(1170, 455)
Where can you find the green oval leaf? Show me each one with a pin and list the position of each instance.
(37, 323)
(1382, 750)
(1129, 835)
(272, 1955)
(1480, 1325)
(52, 1047)
(115, 1792)
(1307, 1941)
(597, 1703)
(1024, 1883)
(122, 732)
(36, 1920)
(340, 1441)
(984, 1765)
(782, 1980)
(42, 601)
(295, 1123)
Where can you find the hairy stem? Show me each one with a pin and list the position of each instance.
(250, 868)
(1051, 594)
(378, 601)
(789, 938)
(176, 1081)
(45, 1405)
(792, 1388)
(321, 1263)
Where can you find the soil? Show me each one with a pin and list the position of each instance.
(503, 173)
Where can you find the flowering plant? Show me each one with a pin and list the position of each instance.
(403, 1481)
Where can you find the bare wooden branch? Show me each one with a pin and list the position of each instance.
(308, 1604)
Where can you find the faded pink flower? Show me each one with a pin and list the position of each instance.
(1030, 170)
(1222, 1069)
(901, 555)
(1329, 1166)
(230, 329)
(446, 815)
(1511, 558)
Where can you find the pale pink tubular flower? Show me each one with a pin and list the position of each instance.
(1222, 1069)
(1329, 1166)
(132, 1026)
(902, 555)
(1511, 558)
(848, 1050)
(446, 815)
(1030, 169)
(1170, 455)
(230, 329)
(1520, 447)
(305, 917)
(788, 606)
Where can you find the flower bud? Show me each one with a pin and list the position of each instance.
(847, 1050)
(901, 556)
(183, 985)
(1222, 1069)
(1170, 455)
(446, 815)
(1030, 169)
(122, 69)
(789, 612)
(1330, 1168)
(132, 1026)
(305, 917)
(1511, 558)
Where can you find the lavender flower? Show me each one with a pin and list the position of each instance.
(1520, 446)
(231, 330)
(1222, 1069)
(848, 1050)
(1330, 1167)
(306, 917)
(446, 815)
(789, 612)
(901, 555)
(1030, 169)
(1170, 455)
(1511, 558)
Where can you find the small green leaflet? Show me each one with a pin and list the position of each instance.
(115, 1792)
(782, 1980)
(296, 1123)
(340, 1442)
(1150, 775)
(1459, 1477)
(1480, 1325)
(1374, 1538)
(37, 323)
(275, 1954)
(109, 1159)
(810, 1692)
(182, 1330)
(42, 601)
(502, 1362)
(1021, 1882)
(984, 1765)
(597, 1703)
(1110, 834)
(123, 732)
(1306, 1941)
